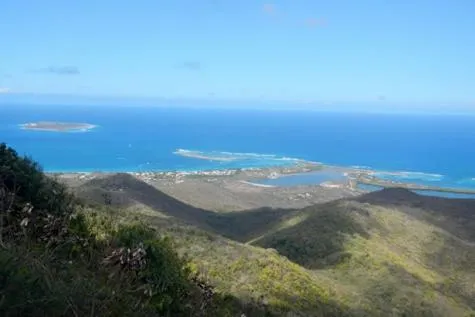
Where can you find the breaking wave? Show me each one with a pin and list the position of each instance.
(236, 157)
(361, 167)
(426, 179)
(413, 176)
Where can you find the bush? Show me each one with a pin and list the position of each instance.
(60, 258)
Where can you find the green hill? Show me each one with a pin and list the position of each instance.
(388, 253)
(126, 191)
(61, 257)
(394, 252)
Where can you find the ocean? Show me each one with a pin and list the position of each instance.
(427, 149)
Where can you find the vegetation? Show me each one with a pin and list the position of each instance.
(131, 250)
(387, 258)
(59, 257)
(124, 190)
(392, 253)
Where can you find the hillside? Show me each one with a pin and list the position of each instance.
(393, 251)
(126, 191)
(61, 257)
(388, 253)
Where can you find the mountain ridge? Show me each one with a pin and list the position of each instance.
(350, 248)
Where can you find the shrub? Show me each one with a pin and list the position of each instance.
(60, 258)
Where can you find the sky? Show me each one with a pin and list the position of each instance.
(373, 52)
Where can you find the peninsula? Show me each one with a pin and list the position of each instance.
(57, 126)
(368, 179)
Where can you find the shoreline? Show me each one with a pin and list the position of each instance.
(224, 190)
(250, 176)
(383, 183)
(245, 172)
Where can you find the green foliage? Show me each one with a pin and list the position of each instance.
(383, 260)
(355, 259)
(59, 257)
(32, 204)
(255, 275)
(334, 226)
(164, 275)
(344, 258)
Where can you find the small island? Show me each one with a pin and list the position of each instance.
(57, 126)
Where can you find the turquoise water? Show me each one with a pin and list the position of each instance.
(431, 179)
(434, 193)
(369, 188)
(444, 194)
(433, 150)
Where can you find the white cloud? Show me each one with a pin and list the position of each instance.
(5, 90)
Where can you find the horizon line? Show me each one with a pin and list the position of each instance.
(339, 106)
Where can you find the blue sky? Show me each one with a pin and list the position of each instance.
(297, 51)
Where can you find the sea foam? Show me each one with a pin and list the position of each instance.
(405, 175)
(224, 156)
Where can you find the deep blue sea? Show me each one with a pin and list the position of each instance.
(433, 149)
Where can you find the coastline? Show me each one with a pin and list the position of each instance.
(352, 177)
(224, 190)
(383, 183)
(111, 153)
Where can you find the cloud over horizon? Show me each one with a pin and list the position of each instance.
(5, 90)
(58, 70)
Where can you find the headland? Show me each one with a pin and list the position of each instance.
(232, 189)
(57, 126)
(369, 179)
